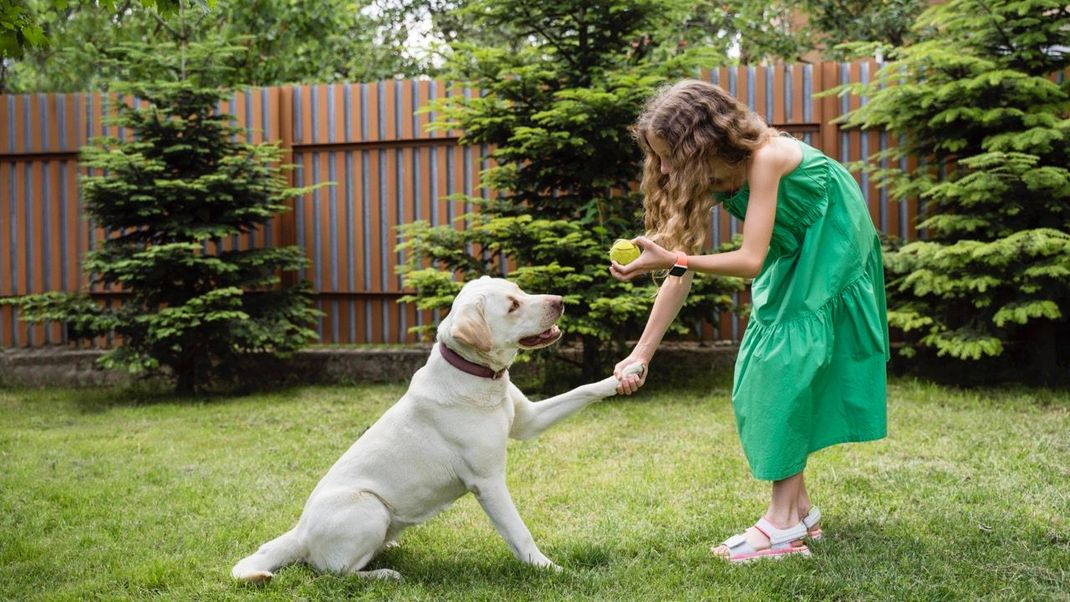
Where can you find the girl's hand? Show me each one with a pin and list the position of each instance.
(652, 257)
(631, 383)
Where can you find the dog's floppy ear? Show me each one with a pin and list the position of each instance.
(470, 327)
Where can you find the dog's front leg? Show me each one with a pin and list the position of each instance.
(531, 419)
(494, 497)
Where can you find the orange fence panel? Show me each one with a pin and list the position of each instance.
(371, 140)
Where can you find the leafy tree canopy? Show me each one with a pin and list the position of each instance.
(21, 24)
(884, 22)
(287, 42)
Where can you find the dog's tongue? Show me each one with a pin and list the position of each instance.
(549, 333)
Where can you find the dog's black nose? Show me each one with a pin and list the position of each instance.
(556, 303)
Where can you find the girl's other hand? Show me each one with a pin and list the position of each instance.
(652, 257)
(631, 383)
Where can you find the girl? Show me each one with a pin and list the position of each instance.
(811, 366)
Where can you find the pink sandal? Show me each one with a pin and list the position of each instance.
(811, 520)
(782, 543)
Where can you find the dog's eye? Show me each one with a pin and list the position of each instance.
(514, 305)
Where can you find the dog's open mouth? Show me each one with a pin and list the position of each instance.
(542, 339)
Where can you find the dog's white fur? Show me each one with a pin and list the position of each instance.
(444, 438)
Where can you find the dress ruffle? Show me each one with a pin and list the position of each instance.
(809, 336)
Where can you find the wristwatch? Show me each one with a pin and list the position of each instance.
(680, 267)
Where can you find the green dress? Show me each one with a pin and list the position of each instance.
(811, 366)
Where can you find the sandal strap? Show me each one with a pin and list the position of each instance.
(738, 544)
(780, 537)
(812, 517)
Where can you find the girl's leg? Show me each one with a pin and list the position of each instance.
(784, 508)
(804, 497)
(805, 505)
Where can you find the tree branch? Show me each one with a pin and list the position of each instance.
(996, 25)
(555, 42)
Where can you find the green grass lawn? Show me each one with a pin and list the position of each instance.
(108, 495)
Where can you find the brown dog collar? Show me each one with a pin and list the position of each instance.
(467, 366)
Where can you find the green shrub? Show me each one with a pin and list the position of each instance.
(976, 101)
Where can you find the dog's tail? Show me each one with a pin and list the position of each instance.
(279, 552)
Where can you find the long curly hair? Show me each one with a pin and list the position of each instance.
(712, 137)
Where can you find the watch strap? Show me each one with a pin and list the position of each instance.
(680, 267)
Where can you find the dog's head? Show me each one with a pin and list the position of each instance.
(492, 318)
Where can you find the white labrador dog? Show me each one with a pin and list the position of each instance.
(444, 438)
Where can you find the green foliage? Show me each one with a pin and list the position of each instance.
(883, 22)
(286, 42)
(783, 30)
(21, 25)
(738, 31)
(758, 31)
(166, 198)
(977, 101)
(556, 114)
(18, 29)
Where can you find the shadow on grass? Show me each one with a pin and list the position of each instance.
(858, 559)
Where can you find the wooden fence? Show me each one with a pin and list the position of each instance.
(371, 140)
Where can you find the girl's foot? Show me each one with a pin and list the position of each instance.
(763, 540)
(812, 520)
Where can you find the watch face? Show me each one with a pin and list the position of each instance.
(677, 270)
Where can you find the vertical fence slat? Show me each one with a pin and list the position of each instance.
(22, 125)
(52, 123)
(349, 133)
(378, 191)
(53, 227)
(364, 210)
(371, 120)
(779, 113)
(388, 126)
(8, 228)
(319, 113)
(794, 91)
(21, 223)
(7, 124)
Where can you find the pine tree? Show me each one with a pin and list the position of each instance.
(981, 101)
(556, 114)
(166, 198)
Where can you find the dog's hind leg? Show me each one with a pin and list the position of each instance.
(391, 540)
(350, 529)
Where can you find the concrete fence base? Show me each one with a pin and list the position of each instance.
(62, 367)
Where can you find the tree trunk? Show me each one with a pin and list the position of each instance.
(185, 381)
(185, 369)
(1043, 352)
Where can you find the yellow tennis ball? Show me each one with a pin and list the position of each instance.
(624, 252)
